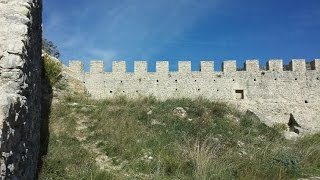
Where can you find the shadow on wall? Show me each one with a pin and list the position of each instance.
(46, 100)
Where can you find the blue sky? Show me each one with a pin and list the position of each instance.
(174, 30)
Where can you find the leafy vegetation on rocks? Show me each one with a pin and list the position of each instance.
(149, 139)
(52, 71)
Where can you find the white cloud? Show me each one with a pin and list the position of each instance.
(132, 25)
(107, 56)
(125, 28)
(53, 21)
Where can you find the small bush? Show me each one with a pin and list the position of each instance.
(280, 127)
(52, 71)
(287, 161)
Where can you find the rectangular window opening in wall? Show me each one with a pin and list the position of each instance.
(239, 94)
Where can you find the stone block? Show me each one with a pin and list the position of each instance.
(184, 66)
(76, 66)
(96, 67)
(119, 67)
(275, 65)
(162, 67)
(315, 65)
(140, 67)
(11, 61)
(229, 66)
(207, 66)
(298, 65)
(252, 65)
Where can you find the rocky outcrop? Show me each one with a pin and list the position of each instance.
(20, 78)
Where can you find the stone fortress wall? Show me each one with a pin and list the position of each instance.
(20, 78)
(272, 94)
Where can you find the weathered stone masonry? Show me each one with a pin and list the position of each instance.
(272, 93)
(20, 72)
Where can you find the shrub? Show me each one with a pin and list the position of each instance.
(288, 161)
(52, 71)
(280, 127)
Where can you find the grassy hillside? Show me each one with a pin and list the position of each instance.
(174, 139)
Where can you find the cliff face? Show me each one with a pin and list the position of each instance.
(20, 78)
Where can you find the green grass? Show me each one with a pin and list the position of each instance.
(145, 139)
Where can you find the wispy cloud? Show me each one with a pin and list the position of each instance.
(128, 28)
(53, 21)
(106, 55)
(306, 19)
(165, 29)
